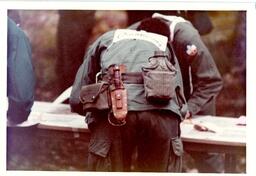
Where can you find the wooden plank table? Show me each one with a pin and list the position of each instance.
(227, 133)
(228, 138)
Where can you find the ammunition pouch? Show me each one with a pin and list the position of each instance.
(109, 94)
(159, 79)
(95, 97)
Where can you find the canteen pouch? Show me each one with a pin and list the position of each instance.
(159, 78)
(95, 97)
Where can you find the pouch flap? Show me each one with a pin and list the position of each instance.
(177, 146)
(160, 64)
(90, 93)
(99, 147)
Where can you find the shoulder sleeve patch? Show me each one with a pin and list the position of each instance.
(191, 50)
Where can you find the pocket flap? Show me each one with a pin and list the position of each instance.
(177, 146)
(99, 147)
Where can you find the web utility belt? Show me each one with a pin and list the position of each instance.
(126, 78)
(109, 93)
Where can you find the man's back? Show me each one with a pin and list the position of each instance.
(133, 49)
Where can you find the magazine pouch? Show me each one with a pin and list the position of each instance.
(95, 97)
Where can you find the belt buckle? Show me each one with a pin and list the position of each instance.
(97, 76)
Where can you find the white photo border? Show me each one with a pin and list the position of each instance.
(230, 5)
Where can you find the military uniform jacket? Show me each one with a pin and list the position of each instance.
(134, 53)
(201, 78)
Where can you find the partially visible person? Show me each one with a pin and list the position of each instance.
(199, 19)
(201, 79)
(20, 75)
(73, 34)
(15, 16)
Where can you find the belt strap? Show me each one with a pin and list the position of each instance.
(132, 78)
(127, 78)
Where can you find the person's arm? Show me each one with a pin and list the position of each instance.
(20, 75)
(206, 79)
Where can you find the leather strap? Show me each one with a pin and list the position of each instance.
(119, 103)
(118, 93)
(127, 78)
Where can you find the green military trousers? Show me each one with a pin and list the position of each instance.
(149, 142)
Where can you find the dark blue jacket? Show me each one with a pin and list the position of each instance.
(20, 75)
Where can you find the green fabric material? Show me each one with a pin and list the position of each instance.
(206, 79)
(134, 54)
(201, 79)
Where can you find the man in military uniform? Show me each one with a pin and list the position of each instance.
(152, 128)
(155, 132)
(201, 80)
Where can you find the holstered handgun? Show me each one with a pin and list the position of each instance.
(118, 95)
